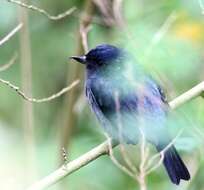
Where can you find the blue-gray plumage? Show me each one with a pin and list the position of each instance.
(127, 102)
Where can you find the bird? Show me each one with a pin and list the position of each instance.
(129, 103)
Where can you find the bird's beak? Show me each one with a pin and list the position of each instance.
(80, 59)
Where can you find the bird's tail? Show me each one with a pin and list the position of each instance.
(174, 165)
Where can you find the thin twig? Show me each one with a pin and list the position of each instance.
(126, 159)
(142, 150)
(42, 11)
(101, 149)
(84, 30)
(64, 155)
(10, 34)
(187, 96)
(143, 159)
(105, 8)
(132, 172)
(115, 161)
(117, 11)
(9, 64)
(47, 99)
(161, 32)
(128, 162)
(164, 28)
(72, 166)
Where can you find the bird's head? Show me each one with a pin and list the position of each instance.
(102, 55)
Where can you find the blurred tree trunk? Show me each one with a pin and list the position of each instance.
(26, 80)
(75, 71)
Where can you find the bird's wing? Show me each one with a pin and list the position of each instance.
(156, 89)
(132, 104)
(95, 105)
(107, 100)
(96, 108)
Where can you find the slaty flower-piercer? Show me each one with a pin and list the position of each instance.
(129, 103)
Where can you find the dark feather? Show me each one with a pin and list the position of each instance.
(175, 167)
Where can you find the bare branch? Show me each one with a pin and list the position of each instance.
(162, 31)
(196, 91)
(142, 150)
(143, 158)
(42, 11)
(103, 148)
(130, 170)
(117, 11)
(22, 94)
(127, 160)
(105, 8)
(10, 34)
(71, 167)
(9, 64)
(84, 30)
(164, 28)
(64, 155)
(120, 166)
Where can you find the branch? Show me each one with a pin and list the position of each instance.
(84, 30)
(117, 12)
(194, 92)
(42, 11)
(9, 64)
(161, 32)
(103, 148)
(69, 117)
(12, 33)
(164, 28)
(116, 162)
(144, 151)
(105, 8)
(47, 99)
(71, 166)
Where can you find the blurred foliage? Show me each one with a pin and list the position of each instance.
(176, 60)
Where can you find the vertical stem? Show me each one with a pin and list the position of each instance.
(142, 182)
(75, 71)
(143, 153)
(26, 79)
